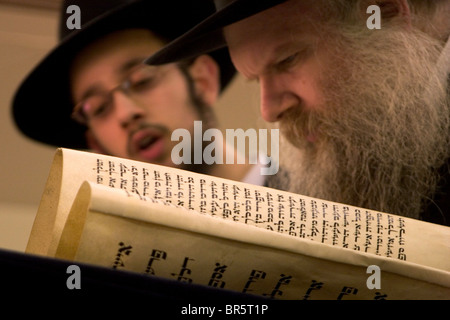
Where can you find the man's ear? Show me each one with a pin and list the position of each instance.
(206, 75)
(389, 9)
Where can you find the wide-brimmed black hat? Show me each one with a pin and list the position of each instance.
(42, 104)
(207, 35)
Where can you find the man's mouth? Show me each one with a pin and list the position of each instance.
(147, 143)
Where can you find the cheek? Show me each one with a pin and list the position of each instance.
(180, 115)
(112, 139)
(168, 95)
(308, 84)
(307, 88)
(172, 104)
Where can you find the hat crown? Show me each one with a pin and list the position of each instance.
(89, 10)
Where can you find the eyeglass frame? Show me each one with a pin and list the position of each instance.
(124, 86)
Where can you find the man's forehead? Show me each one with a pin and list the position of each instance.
(265, 36)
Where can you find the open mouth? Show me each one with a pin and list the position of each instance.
(147, 143)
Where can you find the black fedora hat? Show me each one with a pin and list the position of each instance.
(207, 35)
(42, 105)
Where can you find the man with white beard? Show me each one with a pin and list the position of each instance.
(364, 113)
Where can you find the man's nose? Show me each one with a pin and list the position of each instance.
(127, 110)
(276, 98)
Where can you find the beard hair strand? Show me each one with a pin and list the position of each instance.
(384, 132)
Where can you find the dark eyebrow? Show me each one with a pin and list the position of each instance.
(91, 91)
(130, 64)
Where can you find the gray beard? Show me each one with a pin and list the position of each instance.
(384, 133)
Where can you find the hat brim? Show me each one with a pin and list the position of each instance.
(42, 105)
(207, 36)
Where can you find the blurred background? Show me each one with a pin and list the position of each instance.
(28, 31)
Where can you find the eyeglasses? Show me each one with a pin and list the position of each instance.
(139, 82)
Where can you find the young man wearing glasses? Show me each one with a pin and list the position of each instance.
(92, 91)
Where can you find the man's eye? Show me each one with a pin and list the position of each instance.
(95, 106)
(296, 58)
(100, 109)
(288, 62)
(143, 84)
